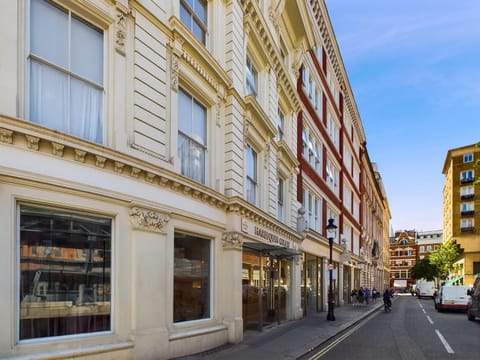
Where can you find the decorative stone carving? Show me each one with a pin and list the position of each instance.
(100, 161)
(148, 220)
(80, 155)
(175, 72)
(6, 136)
(57, 149)
(135, 172)
(247, 120)
(149, 177)
(119, 167)
(120, 32)
(232, 241)
(32, 142)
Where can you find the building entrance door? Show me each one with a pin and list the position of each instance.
(266, 289)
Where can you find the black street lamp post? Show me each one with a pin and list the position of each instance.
(331, 232)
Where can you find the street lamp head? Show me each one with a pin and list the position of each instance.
(331, 228)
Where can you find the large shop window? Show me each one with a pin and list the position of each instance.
(65, 273)
(191, 278)
(66, 72)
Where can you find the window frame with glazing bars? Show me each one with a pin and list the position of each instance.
(251, 73)
(252, 179)
(195, 18)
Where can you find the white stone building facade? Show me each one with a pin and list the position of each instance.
(149, 174)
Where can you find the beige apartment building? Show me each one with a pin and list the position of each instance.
(155, 201)
(428, 242)
(461, 203)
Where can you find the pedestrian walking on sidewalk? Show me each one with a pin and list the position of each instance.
(367, 295)
(374, 295)
(353, 295)
(360, 296)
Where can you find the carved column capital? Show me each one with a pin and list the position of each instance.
(232, 240)
(148, 219)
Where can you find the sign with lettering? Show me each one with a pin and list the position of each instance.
(264, 235)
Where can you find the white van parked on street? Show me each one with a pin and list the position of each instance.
(425, 288)
(452, 297)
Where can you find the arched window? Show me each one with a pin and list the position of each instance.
(403, 242)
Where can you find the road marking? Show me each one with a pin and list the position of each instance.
(342, 337)
(430, 319)
(420, 304)
(445, 343)
(424, 311)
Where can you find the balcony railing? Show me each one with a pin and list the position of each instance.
(467, 180)
(467, 196)
(467, 229)
(467, 213)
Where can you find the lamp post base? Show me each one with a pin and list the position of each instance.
(330, 315)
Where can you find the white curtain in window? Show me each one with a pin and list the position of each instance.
(48, 96)
(192, 159)
(86, 111)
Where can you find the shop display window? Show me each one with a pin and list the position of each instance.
(191, 278)
(65, 272)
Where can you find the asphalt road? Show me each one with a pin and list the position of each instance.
(413, 330)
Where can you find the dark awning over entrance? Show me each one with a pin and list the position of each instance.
(272, 250)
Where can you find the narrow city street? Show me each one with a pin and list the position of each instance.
(412, 330)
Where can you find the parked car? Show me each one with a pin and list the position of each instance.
(452, 297)
(473, 308)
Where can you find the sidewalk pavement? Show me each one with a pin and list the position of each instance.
(291, 339)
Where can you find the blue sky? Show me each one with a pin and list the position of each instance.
(414, 68)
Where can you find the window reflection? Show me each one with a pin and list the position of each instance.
(65, 267)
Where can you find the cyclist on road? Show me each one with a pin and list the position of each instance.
(387, 295)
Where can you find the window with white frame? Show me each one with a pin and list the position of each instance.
(332, 176)
(466, 207)
(305, 143)
(468, 158)
(332, 130)
(192, 281)
(305, 76)
(310, 86)
(467, 176)
(347, 197)
(251, 78)
(64, 272)
(356, 242)
(347, 235)
(280, 199)
(252, 175)
(467, 191)
(356, 209)
(422, 249)
(429, 248)
(313, 205)
(192, 137)
(319, 102)
(347, 159)
(467, 223)
(312, 150)
(66, 69)
(193, 13)
(280, 125)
